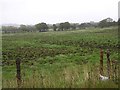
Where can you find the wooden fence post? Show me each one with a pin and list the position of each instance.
(108, 63)
(101, 61)
(18, 74)
(114, 69)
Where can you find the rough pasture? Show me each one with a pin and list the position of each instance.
(59, 59)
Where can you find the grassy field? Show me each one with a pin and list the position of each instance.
(62, 59)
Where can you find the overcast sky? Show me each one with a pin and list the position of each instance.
(55, 11)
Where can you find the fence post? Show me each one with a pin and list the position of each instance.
(108, 63)
(18, 74)
(114, 69)
(101, 61)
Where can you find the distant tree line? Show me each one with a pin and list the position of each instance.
(107, 22)
(63, 26)
(22, 28)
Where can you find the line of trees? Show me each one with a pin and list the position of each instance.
(22, 28)
(43, 27)
(107, 22)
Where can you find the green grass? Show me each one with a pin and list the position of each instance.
(58, 59)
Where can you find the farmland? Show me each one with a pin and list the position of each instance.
(59, 59)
